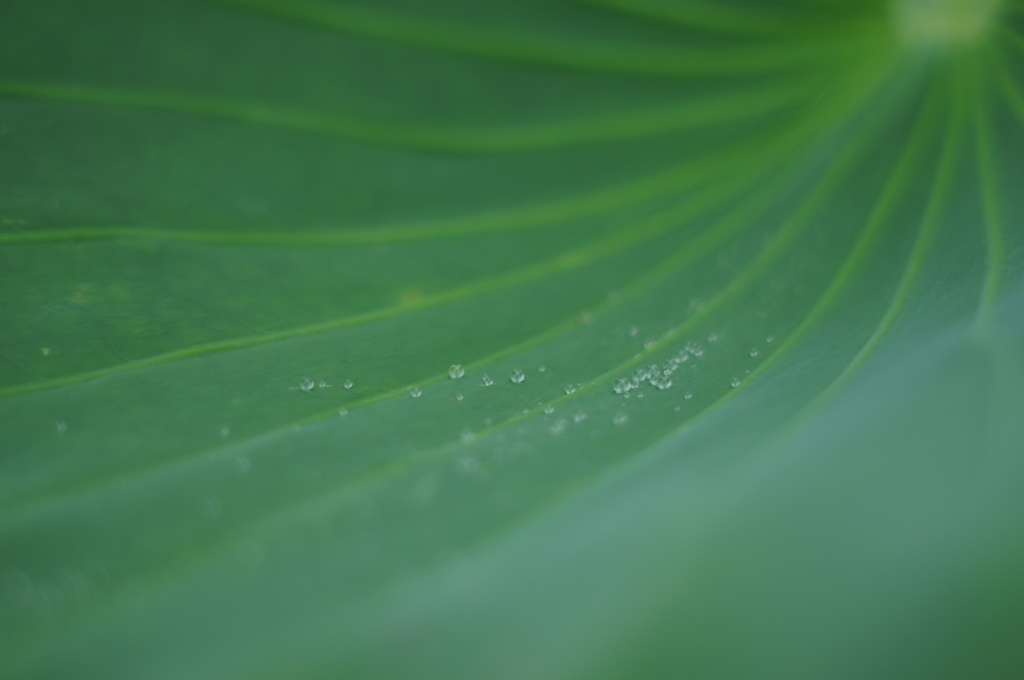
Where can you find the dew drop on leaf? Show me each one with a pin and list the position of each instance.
(487, 380)
(570, 389)
(415, 393)
(620, 419)
(456, 371)
(517, 376)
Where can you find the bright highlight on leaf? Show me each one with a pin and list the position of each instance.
(736, 289)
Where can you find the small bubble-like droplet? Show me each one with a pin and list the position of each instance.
(735, 382)
(621, 386)
(487, 380)
(541, 369)
(549, 409)
(688, 395)
(342, 411)
(754, 352)
(620, 419)
(456, 371)
(579, 417)
(322, 383)
(677, 408)
(517, 376)
(649, 345)
(349, 384)
(713, 337)
(458, 396)
(557, 427)
(769, 339)
(570, 389)
(663, 383)
(415, 393)
(466, 464)
(307, 385)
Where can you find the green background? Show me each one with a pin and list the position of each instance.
(818, 204)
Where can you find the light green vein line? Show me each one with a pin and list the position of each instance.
(608, 246)
(938, 199)
(767, 20)
(694, 250)
(602, 248)
(735, 106)
(995, 240)
(538, 50)
(694, 169)
(168, 575)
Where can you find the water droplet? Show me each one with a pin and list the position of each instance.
(677, 408)
(694, 348)
(579, 417)
(61, 426)
(487, 380)
(517, 376)
(467, 436)
(557, 427)
(549, 409)
(688, 395)
(639, 375)
(225, 431)
(541, 369)
(349, 384)
(456, 371)
(525, 411)
(307, 385)
(622, 385)
(735, 382)
(322, 383)
(713, 337)
(639, 395)
(212, 507)
(458, 396)
(649, 345)
(466, 464)
(620, 419)
(754, 352)
(570, 389)
(769, 339)
(415, 393)
(342, 411)
(663, 383)
(634, 331)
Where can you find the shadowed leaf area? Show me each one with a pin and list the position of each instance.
(511, 339)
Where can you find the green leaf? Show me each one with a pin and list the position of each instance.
(805, 214)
